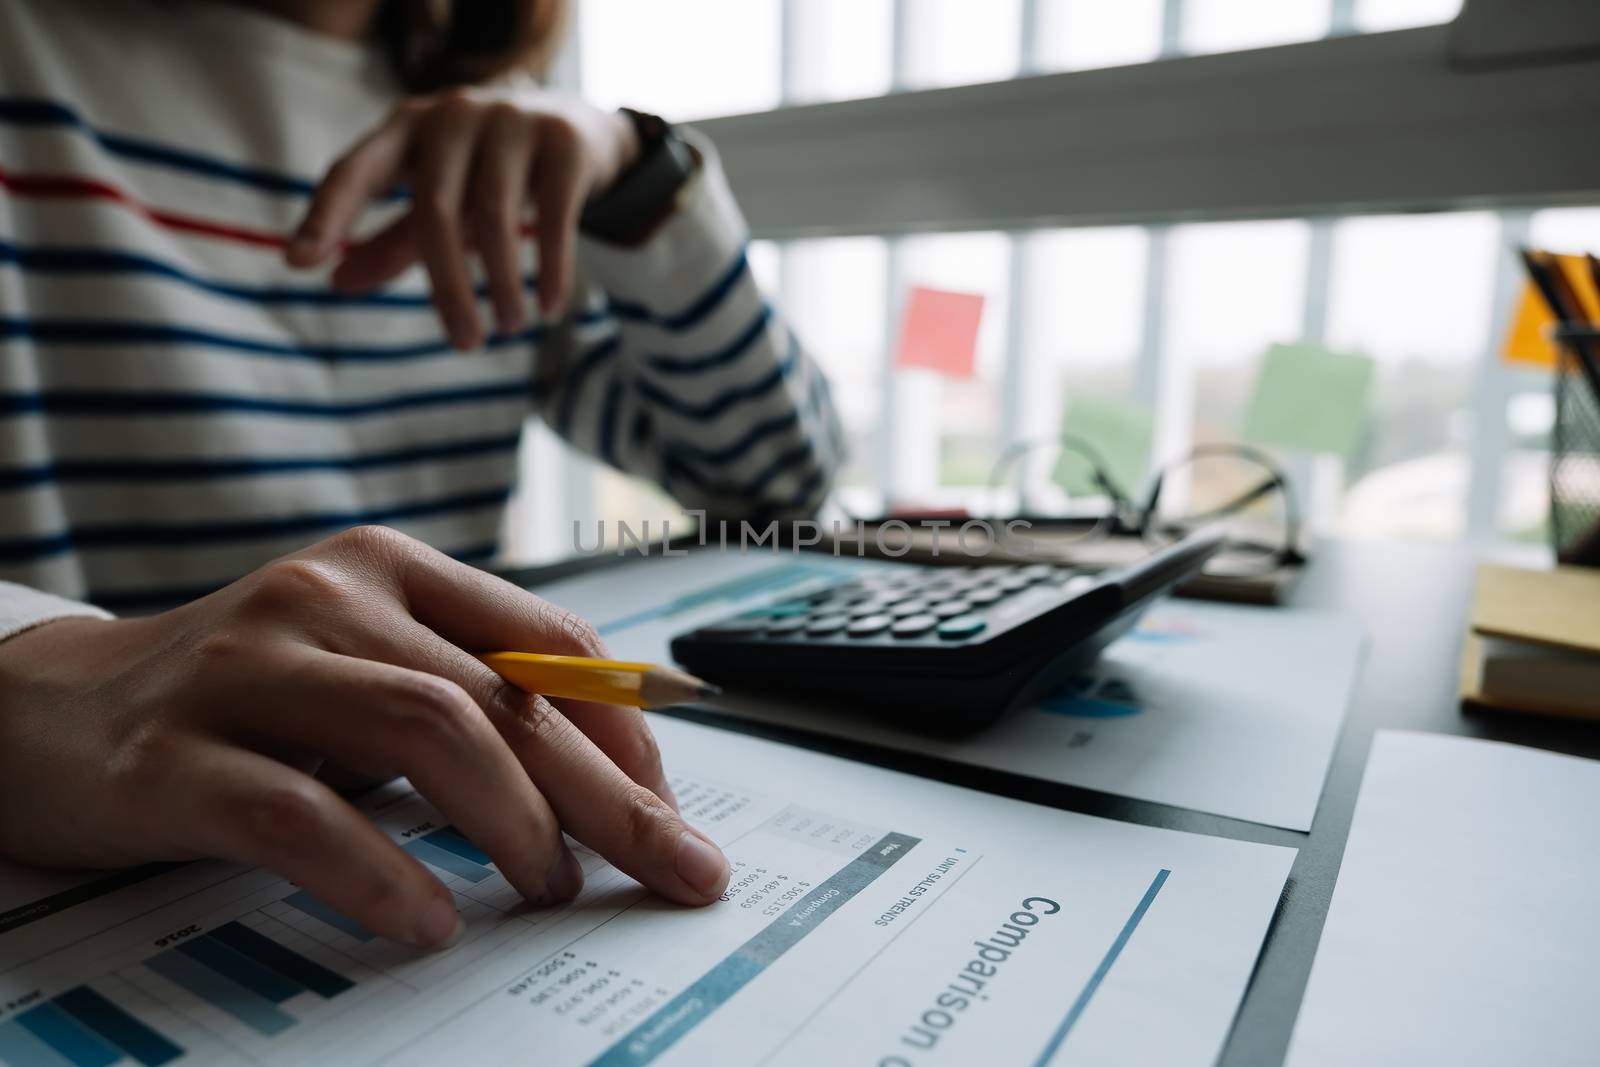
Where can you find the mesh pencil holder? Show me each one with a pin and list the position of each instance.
(1575, 453)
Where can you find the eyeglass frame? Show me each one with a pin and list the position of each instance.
(1124, 518)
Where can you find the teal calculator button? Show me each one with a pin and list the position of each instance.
(962, 626)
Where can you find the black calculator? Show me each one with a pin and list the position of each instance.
(936, 648)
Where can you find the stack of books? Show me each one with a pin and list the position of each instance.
(1534, 645)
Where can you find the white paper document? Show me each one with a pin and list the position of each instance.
(1224, 709)
(872, 917)
(1463, 927)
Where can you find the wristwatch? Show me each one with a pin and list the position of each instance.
(646, 194)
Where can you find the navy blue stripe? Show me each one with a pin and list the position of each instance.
(573, 386)
(25, 111)
(113, 332)
(668, 364)
(802, 455)
(751, 491)
(44, 259)
(688, 316)
(162, 597)
(740, 446)
(151, 470)
(717, 405)
(181, 534)
(608, 423)
(95, 402)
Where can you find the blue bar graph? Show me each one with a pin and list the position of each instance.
(310, 905)
(19, 1048)
(267, 952)
(241, 969)
(445, 860)
(255, 1011)
(234, 968)
(118, 1027)
(80, 1045)
(450, 838)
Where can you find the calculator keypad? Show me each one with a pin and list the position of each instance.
(940, 604)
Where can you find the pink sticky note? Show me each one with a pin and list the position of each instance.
(940, 331)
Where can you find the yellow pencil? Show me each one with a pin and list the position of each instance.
(607, 681)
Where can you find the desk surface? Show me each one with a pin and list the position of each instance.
(1413, 600)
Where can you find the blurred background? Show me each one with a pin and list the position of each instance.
(1164, 319)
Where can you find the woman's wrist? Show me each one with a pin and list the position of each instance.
(629, 146)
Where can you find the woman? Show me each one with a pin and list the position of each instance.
(209, 358)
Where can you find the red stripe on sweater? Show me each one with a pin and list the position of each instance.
(68, 187)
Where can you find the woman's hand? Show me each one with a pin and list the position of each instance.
(197, 732)
(475, 160)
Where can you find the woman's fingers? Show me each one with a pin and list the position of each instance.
(251, 809)
(379, 259)
(622, 820)
(558, 193)
(480, 612)
(495, 208)
(595, 801)
(366, 171)
(441, 157)
(370, 715)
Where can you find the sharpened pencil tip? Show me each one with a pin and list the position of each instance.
(708, 690)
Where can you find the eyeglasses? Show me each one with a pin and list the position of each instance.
(1067, 486)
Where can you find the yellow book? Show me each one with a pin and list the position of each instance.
(1535, 641)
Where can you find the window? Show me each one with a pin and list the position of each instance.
(1416, 293)
(836, 296)
(1372, 16)
(1234, 288)
(1174, 317)
(957, 42)
(1083, 34)
(1082, 319)
(661, 57)
(1231, 25)
(840, 49)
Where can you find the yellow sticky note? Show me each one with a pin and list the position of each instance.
(1528, 340)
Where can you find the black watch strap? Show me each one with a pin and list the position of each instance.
(645, 194)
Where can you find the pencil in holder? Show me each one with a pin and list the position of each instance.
(1575, 449)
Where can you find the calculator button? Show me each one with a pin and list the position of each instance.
(876, 606)
(823, 625)
(1037, 571)
(871, 624)
(1014, 581)
(785, 627)
(984, 597)
(734, 627)
(913, 606)
(914, 625)
(962, 626)
(949, 609)
(816, 589)
(788, 609)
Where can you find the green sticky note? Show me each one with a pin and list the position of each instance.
(1310, 399)
(1120, 432)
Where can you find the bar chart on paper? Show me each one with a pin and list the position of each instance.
(253, 969)
(835, 934)
(219, 990)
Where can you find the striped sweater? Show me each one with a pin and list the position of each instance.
(177, 406)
